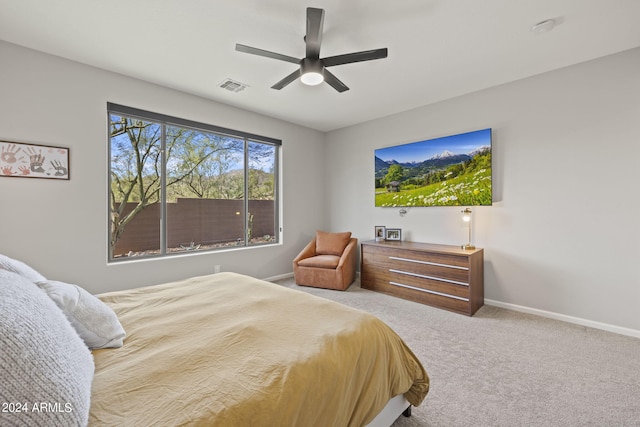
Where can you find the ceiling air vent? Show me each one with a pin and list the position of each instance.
(232, 85)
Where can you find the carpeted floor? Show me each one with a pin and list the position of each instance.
(504, 368)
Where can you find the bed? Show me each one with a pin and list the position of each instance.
(230, 350)
(218, 350)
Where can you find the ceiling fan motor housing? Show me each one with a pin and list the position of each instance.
(311, 71)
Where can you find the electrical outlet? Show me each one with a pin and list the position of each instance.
(216, 269)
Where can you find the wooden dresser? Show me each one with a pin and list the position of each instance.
(439, 275)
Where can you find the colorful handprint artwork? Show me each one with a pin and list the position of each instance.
(33, 161)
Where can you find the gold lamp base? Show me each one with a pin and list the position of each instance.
(468, 247)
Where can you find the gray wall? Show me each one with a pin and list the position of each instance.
(562, 234)
(60, 227)
(560, 239)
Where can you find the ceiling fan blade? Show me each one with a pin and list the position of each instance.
(334, 82)
(268, 54)
(313, 39)
(290, 78)
(348, 58)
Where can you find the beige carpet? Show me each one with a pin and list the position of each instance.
(504, 368)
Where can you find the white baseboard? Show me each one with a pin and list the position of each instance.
(278, 277)
(563, 317)
(542, 313)
(287, 275)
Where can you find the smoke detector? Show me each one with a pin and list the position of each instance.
(543, 26)
(232, 85)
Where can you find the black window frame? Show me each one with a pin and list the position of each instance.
(167, 120)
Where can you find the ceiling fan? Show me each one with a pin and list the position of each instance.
(313, 69)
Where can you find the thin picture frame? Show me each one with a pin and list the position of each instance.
(24, 160)
(453, 170)
(380, 233)
(393, 234)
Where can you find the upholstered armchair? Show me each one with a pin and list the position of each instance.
(329, 261)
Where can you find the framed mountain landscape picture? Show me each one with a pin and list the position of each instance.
(448, 171)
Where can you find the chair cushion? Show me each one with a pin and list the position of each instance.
(320, 261)
(331, 243)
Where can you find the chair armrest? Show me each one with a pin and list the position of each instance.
(307, 252)
(349, 259)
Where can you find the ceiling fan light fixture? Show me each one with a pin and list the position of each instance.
(312, 78)
(311, 72)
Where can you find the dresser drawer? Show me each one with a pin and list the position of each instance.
(451, 260)
(457, 304)
(427, 270)
(426, 284)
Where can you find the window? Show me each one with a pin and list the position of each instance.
(177, 186)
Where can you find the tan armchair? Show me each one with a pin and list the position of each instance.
(329, 261)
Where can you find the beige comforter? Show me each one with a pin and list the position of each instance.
(231, 350)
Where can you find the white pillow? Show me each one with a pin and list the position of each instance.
(43, 361)
(95, 322)
(20, 268)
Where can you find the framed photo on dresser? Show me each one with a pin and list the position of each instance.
(393, 234)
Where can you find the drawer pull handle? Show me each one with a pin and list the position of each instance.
(428, 263)
(428, 291)
(422, 276)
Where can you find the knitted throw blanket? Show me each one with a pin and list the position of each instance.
(46, 370)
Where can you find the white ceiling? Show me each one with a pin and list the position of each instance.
(438, 49)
